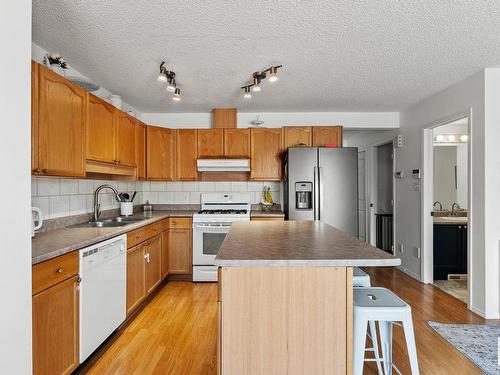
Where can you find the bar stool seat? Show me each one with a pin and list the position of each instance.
(382, 306)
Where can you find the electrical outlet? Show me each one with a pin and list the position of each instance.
(417, 252)
(400, 247)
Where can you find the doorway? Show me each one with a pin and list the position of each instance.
(447, 230)
(381, 196)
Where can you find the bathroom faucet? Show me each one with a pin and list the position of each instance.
(97, 209)
(440, 205)
(455, 207)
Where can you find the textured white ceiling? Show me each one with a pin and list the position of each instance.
(337, 55)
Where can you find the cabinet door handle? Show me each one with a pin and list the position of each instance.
(59, 270)
(146, 256)
(37, 171)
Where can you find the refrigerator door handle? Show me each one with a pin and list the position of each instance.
(316, 194)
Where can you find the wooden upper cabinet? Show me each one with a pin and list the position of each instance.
(125, 138)
(297, 135)
(186, 154)
(56, 329)
(62, 125)
(224, 118)
(266, 146)
(140, 150)
(160, 153)
(323, 135)
(237, 143)
(34, 116)
(101, 144)
(210, 143)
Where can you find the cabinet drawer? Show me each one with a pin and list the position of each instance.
(53, 271)
(180, 223)
(136, 236)
(153, 229)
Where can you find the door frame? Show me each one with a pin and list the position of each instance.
(427, 199)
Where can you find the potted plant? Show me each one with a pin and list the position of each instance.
(55, 62)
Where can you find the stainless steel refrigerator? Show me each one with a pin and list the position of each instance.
(322, 184)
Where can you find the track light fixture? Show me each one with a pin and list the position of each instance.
(257, 77)
(168, 76)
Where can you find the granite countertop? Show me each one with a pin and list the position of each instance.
(296, 244)
(458, 220)
(53, 243)
(262, 213)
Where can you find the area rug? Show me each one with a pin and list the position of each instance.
(477, 342)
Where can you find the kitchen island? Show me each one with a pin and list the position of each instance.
(285, 297)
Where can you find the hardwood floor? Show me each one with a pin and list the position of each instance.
(176, 332)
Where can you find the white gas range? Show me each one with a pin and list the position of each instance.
(210, 227)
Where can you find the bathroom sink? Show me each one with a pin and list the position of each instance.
(457, 219)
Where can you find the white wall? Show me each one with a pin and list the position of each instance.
(37, 54)
(357, 120)
(15, 251)
(466, 95)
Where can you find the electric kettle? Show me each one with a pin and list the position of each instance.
(36, 217)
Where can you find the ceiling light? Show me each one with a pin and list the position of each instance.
(171, 85)
(464, 138)
(257, 77)
(440, 138)
(273, 77)
(162, 76)
(177, 95)
(247, 94)
(451, 138)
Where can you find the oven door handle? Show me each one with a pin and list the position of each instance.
(213, 229)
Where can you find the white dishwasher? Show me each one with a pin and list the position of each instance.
(103, 269)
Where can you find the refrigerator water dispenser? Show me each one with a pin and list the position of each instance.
(303, 195)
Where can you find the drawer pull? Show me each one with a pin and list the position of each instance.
(59, 270)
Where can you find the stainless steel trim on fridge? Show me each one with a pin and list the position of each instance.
(322, 184)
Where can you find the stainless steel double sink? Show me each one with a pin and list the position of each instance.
(118, 221)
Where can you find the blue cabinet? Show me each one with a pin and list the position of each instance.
(450, 250)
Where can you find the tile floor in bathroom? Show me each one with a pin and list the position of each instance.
(457, 288)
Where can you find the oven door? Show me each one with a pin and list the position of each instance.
(207, 239)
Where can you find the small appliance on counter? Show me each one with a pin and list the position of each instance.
(210, 227)
(36, 220)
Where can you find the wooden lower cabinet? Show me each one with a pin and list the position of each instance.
(180, 248)
(56, 328)
(267, 330)
(152, 254)
(136, 277)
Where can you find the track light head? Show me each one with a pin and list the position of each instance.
(177, 95)
(171, 85)
(162, 76)
(247, 94)
(273, 77)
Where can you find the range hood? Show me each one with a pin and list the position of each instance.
(223, 165)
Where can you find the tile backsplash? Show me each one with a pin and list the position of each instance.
(190, 192)
(59, 197)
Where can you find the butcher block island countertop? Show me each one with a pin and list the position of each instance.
(286, 297)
